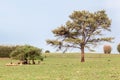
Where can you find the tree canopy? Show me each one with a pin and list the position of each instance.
(83, 30)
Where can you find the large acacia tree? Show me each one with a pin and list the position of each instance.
(83, 30)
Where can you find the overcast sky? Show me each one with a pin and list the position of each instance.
(31, 21)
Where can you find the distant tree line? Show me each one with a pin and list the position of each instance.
(6, 50)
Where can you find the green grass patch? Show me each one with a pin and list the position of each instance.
(65, 67)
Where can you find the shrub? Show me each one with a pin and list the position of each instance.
(107, 49)
(118, 47)
(26, 53)
(47, 51)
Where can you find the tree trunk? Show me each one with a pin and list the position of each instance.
(33, 62)
(82, 54)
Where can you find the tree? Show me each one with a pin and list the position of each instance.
(26, 53)
(118, 47)
(107, 49)
(47, 51)
(82, 31)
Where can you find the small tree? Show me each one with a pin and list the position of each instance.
(107, 49)
(47, 51)
(26, 53)
(118, 47)
(82, 31)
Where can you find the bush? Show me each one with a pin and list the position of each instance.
(118, 47)
(26, 53)
(47, 51)
(107, 49)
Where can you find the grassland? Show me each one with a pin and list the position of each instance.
(65, 67)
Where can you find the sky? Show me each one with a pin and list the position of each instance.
(31, 21)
